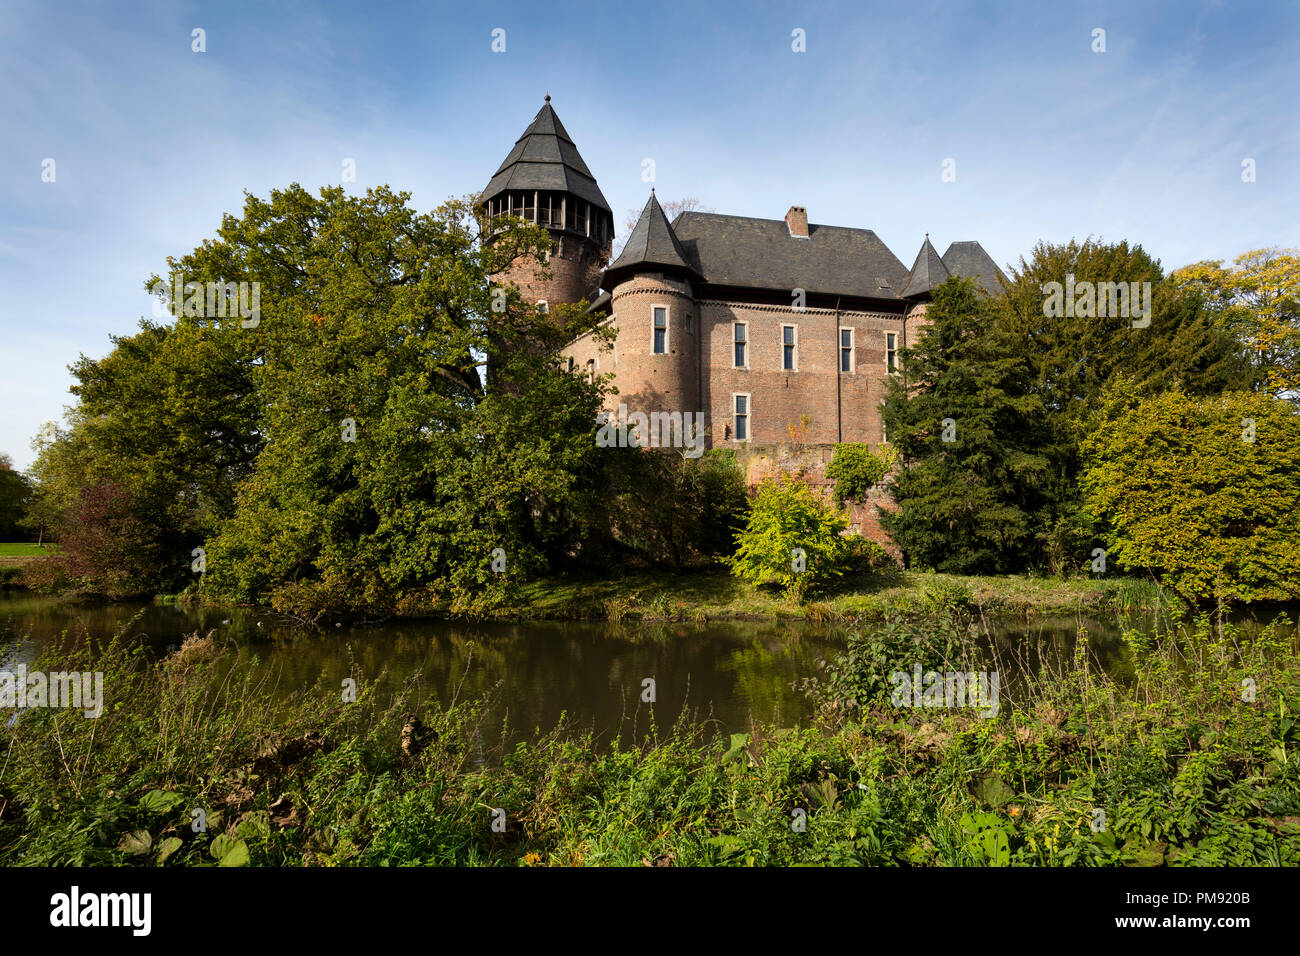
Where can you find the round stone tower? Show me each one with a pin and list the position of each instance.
(545, 181)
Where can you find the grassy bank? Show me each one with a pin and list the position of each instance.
(715, 595)
(14, 556)
(20, 552)
(1175, 767)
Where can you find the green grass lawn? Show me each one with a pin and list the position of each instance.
(716, 594)
(20, 553)
(17, 549)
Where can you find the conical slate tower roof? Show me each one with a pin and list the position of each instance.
(652, 243)
(928, 272)
(544, 158)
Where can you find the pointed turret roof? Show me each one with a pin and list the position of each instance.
(651, 244)
(544, 158)
(928, 272)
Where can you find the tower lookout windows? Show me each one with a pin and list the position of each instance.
(659, 331)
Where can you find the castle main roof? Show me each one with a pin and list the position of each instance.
(970, 259)
(545, 158)
(761, 254)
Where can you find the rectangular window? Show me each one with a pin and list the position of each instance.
(787, 347)
(846, 350)
(740, 340)
(891, 351)
(690, 324)
(741, 417)
(660, 330)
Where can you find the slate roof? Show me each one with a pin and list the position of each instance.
(970, 259)
(928, 272)
(761, 254)
(652, 243)
(544, 158)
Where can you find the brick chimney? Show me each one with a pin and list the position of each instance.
(797, 220)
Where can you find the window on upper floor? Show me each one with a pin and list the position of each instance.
(846, 350)
(891, 351)
(660, 331)
(740, 344)
(789, 344)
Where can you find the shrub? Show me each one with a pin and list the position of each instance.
(858, 677)
(792, 538)
(855, 469)
(864, 556)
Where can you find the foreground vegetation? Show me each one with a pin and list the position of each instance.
(1194, 761)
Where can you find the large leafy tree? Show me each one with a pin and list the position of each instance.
(1258, 300)
(1075, 356)
(969, 428)
(390, 473)
(1202, 491)
(1179, 339)
(339, 449)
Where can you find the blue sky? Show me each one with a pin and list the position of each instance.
(154, 142)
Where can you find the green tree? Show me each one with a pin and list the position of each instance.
(15, 495)
(1258, 300)
(969, 428)
(1075, 356)
(390, 475)
(1200, 490)
(1179, 339)
(339, 449)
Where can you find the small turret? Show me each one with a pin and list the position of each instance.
(928, 273)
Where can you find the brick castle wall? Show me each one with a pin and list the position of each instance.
(698, 374)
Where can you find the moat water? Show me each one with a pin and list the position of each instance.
(730, 675)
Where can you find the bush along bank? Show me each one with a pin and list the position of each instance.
(1191, 760)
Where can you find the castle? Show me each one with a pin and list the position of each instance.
(782, 332)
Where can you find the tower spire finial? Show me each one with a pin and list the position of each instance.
(548, 97)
